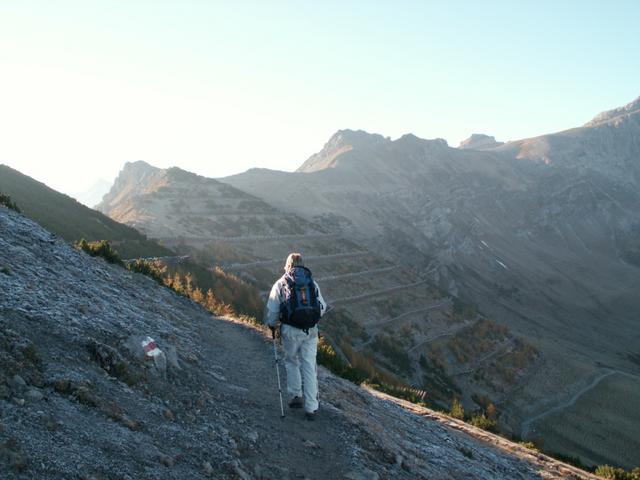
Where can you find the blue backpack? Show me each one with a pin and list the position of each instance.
(300, 308)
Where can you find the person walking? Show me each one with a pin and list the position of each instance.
(295, 300)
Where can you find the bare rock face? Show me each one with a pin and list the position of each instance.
(132, 176)
(616, 115)
(340, 143)
(479, 141)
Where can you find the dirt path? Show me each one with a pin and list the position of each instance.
(499, 353)
(432, 306)
(448, 333)
(525, 427)
(298, 448)
(240, 238)
(357, 274)
(374, 293)
(173, 258)
(239, 266)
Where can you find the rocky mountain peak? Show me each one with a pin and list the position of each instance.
(137, 169)
(617, 113)
(341, 142)
(408, 138)
(413, 140)
(130, 178)
(479, 141)
(355, 138)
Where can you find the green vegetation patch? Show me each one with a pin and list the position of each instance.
(100, 248)
(614, 473)
(5, 201)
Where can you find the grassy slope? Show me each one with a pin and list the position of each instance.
(71, 220)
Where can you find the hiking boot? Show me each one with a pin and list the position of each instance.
(310, 416)
(296, 402)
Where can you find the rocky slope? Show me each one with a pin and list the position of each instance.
(541, 233)
(80, 399)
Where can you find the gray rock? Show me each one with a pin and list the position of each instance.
(362, 475)
(160, 365)
(34, 394)
(17, 383)
(172, 357)
(166, 460)
(5, 392)
(217, 376)
(240, 471)
(133, 345)
(310, 444)
(207, 468)
(168, 414)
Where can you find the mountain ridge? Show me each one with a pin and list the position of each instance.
(616, 113)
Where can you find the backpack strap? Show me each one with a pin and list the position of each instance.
(287, 306)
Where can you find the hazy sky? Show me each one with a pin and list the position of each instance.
(219, 87)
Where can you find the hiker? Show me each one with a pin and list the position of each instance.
(295, 300)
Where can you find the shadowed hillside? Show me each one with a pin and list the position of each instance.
(71, 220)
(80, 399)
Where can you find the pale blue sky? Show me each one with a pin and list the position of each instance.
(219, 87)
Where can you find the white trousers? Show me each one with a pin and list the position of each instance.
(300, 351)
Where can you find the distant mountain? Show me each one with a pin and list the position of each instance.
(340, 143)
(173, 203)
(479, 141)
(93, 195)
(70, 219)
(541, 233)
(617, 114)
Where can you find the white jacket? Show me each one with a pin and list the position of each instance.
(276, 298)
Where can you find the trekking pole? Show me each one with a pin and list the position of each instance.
(275, 355)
